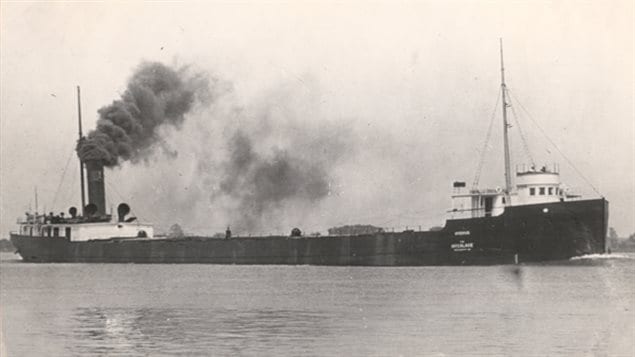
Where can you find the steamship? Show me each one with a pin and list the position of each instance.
(535, 219)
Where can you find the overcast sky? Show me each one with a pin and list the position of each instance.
(414, 85)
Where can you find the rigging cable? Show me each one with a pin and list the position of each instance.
(62, 179)
(555, 146)
(140, 218)
(477, 177)
(132, 211)
(522, 136)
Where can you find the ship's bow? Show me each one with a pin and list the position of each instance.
(561, 230)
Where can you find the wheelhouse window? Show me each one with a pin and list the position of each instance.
(56, 232)
(532, 191)
(542, 191)
(550, 191)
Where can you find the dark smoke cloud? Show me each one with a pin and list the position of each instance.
(275, 160)
(127, 129)
(263, 184)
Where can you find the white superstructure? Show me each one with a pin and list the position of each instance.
(538, 186)
(42, 226)
(532, 187)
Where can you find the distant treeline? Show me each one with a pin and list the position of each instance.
(622, 245)
(354, 230)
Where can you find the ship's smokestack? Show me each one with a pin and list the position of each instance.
(96, 190)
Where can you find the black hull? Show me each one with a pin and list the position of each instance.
(532, 233)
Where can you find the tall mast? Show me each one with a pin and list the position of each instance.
(81, 164)
(508, 177)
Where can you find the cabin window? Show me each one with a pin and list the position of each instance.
(48, 230)
(503, 200)
(56, 232)
(532, 191)
(68, 232)
(550, 191)
(31, 232)
(542, 191)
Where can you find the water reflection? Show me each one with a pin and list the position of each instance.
(126, 331)
(205, 310)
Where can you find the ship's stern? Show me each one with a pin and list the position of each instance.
(40, 249)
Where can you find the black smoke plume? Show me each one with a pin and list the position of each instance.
(127, 129)
(262, 184)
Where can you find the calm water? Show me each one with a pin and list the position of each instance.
(582, 308)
